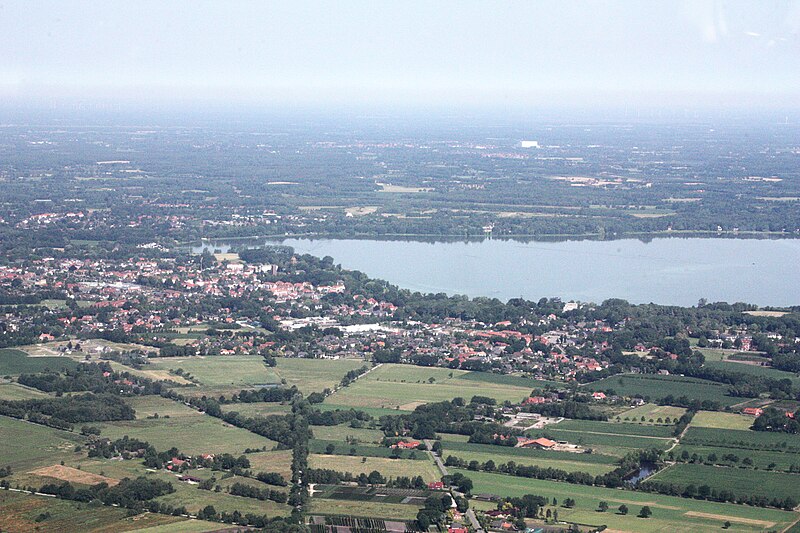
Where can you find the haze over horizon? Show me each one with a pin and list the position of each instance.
(372, 54)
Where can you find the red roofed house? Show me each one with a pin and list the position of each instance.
(753, 411)
(541, 442)
(436, 485)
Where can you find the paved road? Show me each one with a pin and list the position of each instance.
(470, 514)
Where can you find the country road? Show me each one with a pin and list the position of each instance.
(470, 514)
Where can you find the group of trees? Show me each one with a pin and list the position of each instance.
(67, 410)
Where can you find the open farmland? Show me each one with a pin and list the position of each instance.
(190, 434)
(594, 426)
(651, 411)
(229, 374)
(741, 482)
(755, 370)
(387, 467)
(257, 408)
(713, 419)
(760, 459)
(27, 446)
(15, 391)
(315, 375)
(606, 443)
(343, 432)
(195, 499)
(407, 387)
(220, 374)
(656, 387)
(279, 461)
(19, 513)
(505, 379)
(669, 513)
(360, 450)
(594, 464)
(744, 439)
(327, 506)
(15, 362)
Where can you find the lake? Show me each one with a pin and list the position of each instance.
(672, 271)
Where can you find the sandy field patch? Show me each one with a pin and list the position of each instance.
(748, 521)
(73, 475)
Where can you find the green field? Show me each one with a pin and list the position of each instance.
(712, 419)
(185, 494)
(406, 387)
(279, 461)
(387, 467)
(742, 482)
(15, 362)
(397, 511)
(343, 432)
(19, 512)
(228, 374)
(505, 379)
(195, 499)
(669, 513)
(744, 439)
(192, 434)
(221, 374)
(257, 408)
(360, 450)
(375, 412)
(594, 464)
(15, 391)
(651, 411)
(656, 387)
(593, 426)
(151, 405)
(315, 375)
(606, 443)
(761, 459)
(25, 446)
(754, 370)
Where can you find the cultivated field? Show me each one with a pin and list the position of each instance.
(398, 511)
(594, 464)
(15, 362)
(651, 411)
(733, 438)
(257, 408)
(279, 461)
(656, 387)
(606, 443)
(669, 513)
(15, 391)
(593, 426)
(742, 482)
(407, 387)
(26, 446)
(19, 513)
(343, 432)
(387, 467)
(228, 374)
(73, 475)
(190, 434)
(712, 419)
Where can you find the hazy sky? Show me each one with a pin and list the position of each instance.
(454, 51)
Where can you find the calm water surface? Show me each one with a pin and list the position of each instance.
(667, 271)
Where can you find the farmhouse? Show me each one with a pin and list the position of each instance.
(753, 411)
(541, 443)
(406, 445)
